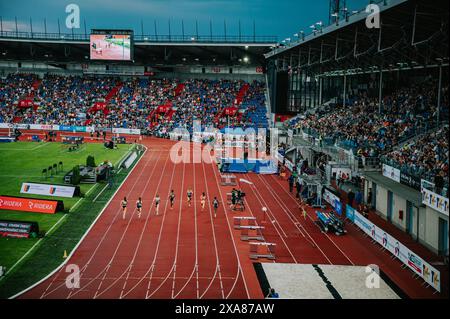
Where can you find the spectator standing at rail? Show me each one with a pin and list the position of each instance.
(124, 207)
(157, 201)
(139, 207)
(104, 135)
(298, 186)
(272, 294)
(439, 182)
(216, 206)
(358, 197)
(291, 183)
(172, 198)
(369, 197)
(350, 197)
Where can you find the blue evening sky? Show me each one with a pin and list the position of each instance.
(281, 18)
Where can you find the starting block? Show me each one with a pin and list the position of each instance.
(252, 233)
(262, 250)
(244, 221)
(228, 180)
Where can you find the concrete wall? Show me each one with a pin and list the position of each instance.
(425, 219)
(431, 236)
(382, 200)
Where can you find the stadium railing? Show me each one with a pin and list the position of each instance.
(144, 38)
(415, 173)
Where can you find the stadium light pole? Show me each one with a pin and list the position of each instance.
(380, 90)
(170, 34)
(196, 29)
(438, 114)
(210, 30)
(225, 29)
(240, 33)
(31, 27)
(182, 28)
(345, 89)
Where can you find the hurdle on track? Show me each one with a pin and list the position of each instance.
(252, 233)
(262, 250)
(228, 180)
(239, 221)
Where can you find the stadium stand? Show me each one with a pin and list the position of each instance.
(158, 105)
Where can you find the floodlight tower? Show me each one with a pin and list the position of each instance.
(337, 10)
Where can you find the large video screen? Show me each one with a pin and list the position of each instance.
(114, 45)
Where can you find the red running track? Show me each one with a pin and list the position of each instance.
(300, 240)
(183, 252)
(188, 253)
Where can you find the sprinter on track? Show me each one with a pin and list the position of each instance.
(172, 198)
(189, 196)
(203, 200)
(139, 207)
(157, 201)
(124, 207)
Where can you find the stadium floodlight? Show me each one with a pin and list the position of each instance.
(246, 59)
(145, 39)
(246, 47)
(192, 39)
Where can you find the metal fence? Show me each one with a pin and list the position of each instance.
(141, 38)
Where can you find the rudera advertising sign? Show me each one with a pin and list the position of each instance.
(29, 204)
(406, 256)
(47, 190)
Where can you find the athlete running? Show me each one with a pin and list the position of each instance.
(203, 201)
(157, 201)
(124, 207)
(139, 207)
(172, 198)
(216, 206)
(189, 196)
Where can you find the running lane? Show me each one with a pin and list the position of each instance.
(183, 252)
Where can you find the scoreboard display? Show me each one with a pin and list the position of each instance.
(111, 45)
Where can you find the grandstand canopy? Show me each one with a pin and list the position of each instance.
(148, 50)
(412, 33)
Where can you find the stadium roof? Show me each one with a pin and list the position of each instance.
(413, 33)
(148, 49)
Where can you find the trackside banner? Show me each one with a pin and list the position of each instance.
(406, 256)
(28, 204)
(18, 229)
(48, 190)
(433, 200)
(391, 172)
(126, 131)
(66, 128)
